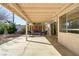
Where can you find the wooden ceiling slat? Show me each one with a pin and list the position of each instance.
(42, 5)
(41, 12)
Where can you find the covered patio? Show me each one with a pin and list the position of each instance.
(41, 17)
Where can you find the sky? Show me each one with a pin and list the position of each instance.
(17, 19)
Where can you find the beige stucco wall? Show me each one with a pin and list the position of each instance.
(69, 40)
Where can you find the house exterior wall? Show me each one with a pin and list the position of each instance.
(69, 40)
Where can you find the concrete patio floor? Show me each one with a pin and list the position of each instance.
(40, 46)
(35, 46)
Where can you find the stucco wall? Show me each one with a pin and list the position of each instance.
(69, 40)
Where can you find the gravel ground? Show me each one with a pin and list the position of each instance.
(9, 37)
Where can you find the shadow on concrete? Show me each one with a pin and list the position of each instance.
(39, 42)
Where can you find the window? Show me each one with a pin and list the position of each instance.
(70, 21)
(62, 23)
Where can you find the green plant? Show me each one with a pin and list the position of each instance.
(11, 28)
(1, 28)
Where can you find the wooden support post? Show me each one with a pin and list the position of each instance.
(26, 32)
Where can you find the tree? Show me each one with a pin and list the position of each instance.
(6, 26)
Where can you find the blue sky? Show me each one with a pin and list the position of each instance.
(18, 20)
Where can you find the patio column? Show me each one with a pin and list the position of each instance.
(31, 29)
(42, 27)
(49, 29)
(26, 31)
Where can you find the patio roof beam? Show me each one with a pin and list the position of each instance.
(14, 8)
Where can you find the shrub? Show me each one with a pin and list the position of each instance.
(1, 28)
(11, 28)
